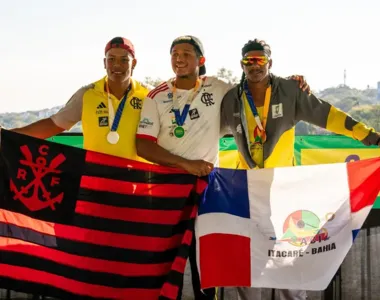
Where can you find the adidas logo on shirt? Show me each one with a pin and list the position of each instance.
(101, 109)
(101, 105)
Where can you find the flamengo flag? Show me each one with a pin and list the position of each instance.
(76, 224)
(285, 228)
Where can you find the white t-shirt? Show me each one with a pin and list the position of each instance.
(202, 124)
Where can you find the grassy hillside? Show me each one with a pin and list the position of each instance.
(361, 104)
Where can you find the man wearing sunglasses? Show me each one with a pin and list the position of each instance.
(261, 113)
(180, 122)
(180, 118)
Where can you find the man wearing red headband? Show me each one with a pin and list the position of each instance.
(108, 108)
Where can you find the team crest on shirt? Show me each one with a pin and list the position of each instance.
(277, 111)
(136, 103)
(207, 99)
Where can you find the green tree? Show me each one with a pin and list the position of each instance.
(152, 82)
(368, 114)
(348, 103)
(227, 75)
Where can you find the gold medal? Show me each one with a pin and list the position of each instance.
(257, 154)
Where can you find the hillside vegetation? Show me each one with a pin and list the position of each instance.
(361, 104)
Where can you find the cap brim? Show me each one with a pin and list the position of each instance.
(202, 70)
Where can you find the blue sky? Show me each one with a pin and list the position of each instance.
(49, 49)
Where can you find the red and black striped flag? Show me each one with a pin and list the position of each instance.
(76, 224)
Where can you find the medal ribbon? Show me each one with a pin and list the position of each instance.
(114, 120)
(261, 125)
(180, 118)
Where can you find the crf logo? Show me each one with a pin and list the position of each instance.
(44, 176)
(136, 103)
(207, 99)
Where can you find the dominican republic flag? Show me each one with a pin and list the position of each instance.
(285, 228)
(76, 224)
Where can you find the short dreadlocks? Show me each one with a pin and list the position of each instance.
(258, 45)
